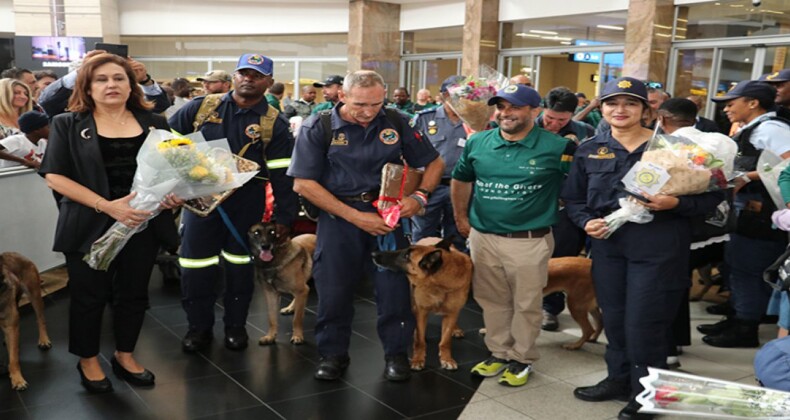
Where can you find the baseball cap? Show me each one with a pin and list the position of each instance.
(518, 95)
(452, 80)
(624, 86)
(215, 76)
(334, 79)
(776, 77)
(772, 364)
(31, 121)
(761, 91)
(261, 64)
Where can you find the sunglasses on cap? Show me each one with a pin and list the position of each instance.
(654, 85)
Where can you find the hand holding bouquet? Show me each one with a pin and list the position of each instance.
(682, 394)
(469, 98)
(186, 166)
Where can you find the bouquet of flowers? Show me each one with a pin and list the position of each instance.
(187, 166)
(682, 394)
(687, 163)
(469, 98)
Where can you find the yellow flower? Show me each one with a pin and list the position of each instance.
(198, 173)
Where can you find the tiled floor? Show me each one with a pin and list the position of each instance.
(276, 382)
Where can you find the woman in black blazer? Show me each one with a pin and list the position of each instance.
(91, 162)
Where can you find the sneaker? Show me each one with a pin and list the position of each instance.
(492, 366)
(550, 322)
(673, 362)
(516, 374)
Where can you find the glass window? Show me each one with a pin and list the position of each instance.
(431, 41)
(310, 72)
(314, 45)
(164, 71)
(775, 59)
(736, 65)
(730, 19)
(693, 72)
(602, 28)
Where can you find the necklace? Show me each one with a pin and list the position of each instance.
(123, 117)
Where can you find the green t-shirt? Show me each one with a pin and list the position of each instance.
(273, 101)
(516, 184)
(322, 106)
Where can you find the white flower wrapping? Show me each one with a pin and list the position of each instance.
(187, 166)
(629, 211)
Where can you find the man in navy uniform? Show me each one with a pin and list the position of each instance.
(445, 130)
(239, 118)
(781, 81)
(340, 172)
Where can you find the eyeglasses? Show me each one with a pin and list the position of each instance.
(654, 85)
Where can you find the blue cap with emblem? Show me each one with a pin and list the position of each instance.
(452, 80)
(261, 64)
(518, 95)
(761, 91)
(624, 86)
(776, 77)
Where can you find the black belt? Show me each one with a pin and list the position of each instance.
(536, 233)
(445, 181)
(365, 197)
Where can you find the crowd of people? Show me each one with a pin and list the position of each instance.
(539, 183)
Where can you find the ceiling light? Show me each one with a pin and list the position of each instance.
(565, 42)
(615, 28)
(523, 35)
(556, 38)
(536, 31)
(736, 5)
(664, 35)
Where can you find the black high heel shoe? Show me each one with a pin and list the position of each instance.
(94, 387)
(144, 378)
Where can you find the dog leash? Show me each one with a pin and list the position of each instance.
(233, 230)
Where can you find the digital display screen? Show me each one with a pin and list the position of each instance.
(64, 49)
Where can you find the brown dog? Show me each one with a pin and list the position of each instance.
(440, 279)
(282, 266)
(19, 275)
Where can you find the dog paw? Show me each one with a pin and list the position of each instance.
(458, 333)
(417, 365)
(572, 346)
(449, 364)
(266, 340)
(297, 339)
(287, 311)
(18, 384)
(45, 345)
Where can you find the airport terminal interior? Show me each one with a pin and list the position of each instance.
(685, 47)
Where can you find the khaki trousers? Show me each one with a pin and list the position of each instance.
(508, 281)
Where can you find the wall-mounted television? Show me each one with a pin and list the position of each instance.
(63, 49)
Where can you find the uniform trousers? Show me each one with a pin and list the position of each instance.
(747, 258)
(342, 260)
(508, 282)
(438, 219)
(124, 286)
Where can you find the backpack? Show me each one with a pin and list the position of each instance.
(208, 110)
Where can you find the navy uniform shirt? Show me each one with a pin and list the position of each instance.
(350, 164)
(448, 138)
(593, 187)
(234, 124)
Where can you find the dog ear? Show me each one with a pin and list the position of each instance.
(431, 262)
(444, 243)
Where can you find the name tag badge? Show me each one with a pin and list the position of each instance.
(461, 142)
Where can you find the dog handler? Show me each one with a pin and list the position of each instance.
(516, 172)
(240, 116)
(341, 176)
(641, 271)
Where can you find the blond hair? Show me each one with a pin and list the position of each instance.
(9, 114)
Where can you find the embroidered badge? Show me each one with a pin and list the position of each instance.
(253, 131)
(772, 76)
(389, 136)
(603, 153)
(532, 162)
(624, 84)
(340, 140)
(255, 60)
(511, 88)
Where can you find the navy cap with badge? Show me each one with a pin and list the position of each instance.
(450, 81)
(624, 86)
(261, 64)
(334, 79)
(518, 95)
(776, 77)
(761, 91)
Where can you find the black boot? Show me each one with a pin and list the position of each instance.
(717, 328)
(743, 333)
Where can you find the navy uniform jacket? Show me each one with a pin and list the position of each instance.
(232, 123)
(447, 138)
(351, 163)
(592, 188)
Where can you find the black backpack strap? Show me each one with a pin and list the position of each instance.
(326, 122)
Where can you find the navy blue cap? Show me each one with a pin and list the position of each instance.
(450, 81)
(257, 62)
(761, 91)
(772, 364)
(518, 95)
(31, 121)
(334, 79)
(776, 77)
(624, 86)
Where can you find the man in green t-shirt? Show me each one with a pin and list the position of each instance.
(515, 172)
(330, 89)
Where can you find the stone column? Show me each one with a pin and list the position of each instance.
(374, 39)
(648, 38)
(481, 35)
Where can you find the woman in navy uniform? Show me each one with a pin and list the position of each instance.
(640, 272)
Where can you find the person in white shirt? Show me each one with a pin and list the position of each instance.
(27, 148)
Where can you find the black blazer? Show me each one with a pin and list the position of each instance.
(73, 151)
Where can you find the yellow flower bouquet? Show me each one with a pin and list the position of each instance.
(187, 166)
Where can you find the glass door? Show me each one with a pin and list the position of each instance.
(427, 73)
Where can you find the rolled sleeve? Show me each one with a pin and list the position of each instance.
(773, 136)
(464, 169)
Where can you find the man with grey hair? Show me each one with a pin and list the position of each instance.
(337, 165)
